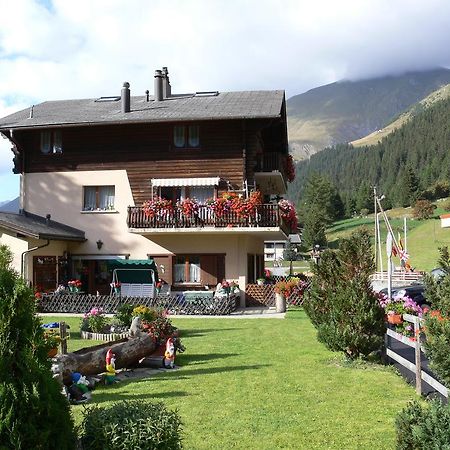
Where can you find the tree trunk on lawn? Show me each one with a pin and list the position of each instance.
(92, 360)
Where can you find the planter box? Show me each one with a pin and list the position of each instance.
(107, 337)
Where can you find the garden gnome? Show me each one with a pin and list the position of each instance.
(169, 355)
(110, 376)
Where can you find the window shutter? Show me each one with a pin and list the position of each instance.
(208, 267)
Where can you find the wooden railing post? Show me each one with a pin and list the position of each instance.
(63, 336)
(418, 356)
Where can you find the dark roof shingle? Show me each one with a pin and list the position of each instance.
(38, 227)
(226, 105)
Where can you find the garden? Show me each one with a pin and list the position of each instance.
(241, 383)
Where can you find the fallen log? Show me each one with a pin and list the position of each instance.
(92, 360)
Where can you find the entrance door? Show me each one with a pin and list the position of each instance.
(94, 275)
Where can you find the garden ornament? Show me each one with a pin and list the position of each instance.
(110, 376)
(169, 355)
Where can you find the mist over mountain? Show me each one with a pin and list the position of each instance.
(344, 111)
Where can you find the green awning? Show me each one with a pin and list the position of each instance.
(134, 270)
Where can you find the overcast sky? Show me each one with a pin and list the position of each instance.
(87, 48)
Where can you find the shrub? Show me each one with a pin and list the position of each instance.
(341, 302)
(437, 322)
(423, 209)
(131, 424)
(124, 314)
(33, 412)
(446, 205)
(95, 321)
(423, 427)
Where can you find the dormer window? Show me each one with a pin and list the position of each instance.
(51, 142)
(186, 136)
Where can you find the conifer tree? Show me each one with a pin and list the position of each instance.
(341, 302)
(33, 412)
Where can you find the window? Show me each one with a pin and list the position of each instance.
(98, 198)
(186, 136)
(199, 193)
(187, 269)
(51, 142)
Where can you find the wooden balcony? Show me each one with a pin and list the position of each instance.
(270, 173)
(266, 216)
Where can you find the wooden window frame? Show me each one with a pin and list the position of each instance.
(187, 136)
(55, 142)
(97, 198)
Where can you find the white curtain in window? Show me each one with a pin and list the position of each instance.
(194, 136)
(106, 197)
(194, 273)
(89, 198)
(179, 273)
(179, 138)
(46, 138)
(57, 142)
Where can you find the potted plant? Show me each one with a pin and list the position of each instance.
(52, 339)
(116, 285)
(260, 281)
(74, 285)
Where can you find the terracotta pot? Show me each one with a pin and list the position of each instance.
(52, 352)
(395, 319)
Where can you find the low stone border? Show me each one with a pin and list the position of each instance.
(106, 337)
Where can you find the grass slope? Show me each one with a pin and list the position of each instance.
(267, 384)
(424, 237)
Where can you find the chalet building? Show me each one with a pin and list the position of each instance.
(90, 168)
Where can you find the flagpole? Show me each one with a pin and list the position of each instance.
(379, 243)
(404, 231)
(376, 226)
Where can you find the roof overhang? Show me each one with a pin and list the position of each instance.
(175, 182)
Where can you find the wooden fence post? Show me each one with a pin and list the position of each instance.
(418, 356)
(63, 335)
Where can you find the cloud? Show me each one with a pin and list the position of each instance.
(88, 48)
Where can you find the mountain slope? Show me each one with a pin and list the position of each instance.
(421, 145)
(377, 136)
(10, 206)
(348, 110)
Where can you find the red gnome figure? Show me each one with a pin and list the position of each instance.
(169, 355)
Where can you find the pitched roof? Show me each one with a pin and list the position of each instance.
(224, 105)
(38, 227)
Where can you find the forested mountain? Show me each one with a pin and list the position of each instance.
(344, 111)
(412, 158)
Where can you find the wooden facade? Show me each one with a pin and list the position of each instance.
(229, 149)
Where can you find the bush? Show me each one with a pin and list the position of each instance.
(423, 427)
(437, 322)
(423, 209)
(124, 314)
(341, 302)
(446, 205)
(33, 412)
(94, 321)
(133, 425)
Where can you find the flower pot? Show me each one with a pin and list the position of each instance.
(395, 319)
(260, 282)
(280, 303)
(117, 290)
(52, 352)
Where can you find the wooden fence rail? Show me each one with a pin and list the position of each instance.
(416, 366)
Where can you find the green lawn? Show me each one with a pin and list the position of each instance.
(424, 237)
(267, 384)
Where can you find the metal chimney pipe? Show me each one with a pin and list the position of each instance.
(158, 86)
(125, 97)
(167, 90)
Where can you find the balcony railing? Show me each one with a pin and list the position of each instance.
(268, 162)
(266, 215)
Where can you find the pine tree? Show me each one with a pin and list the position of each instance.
(33, 411)
(313, 228)
(341, 302)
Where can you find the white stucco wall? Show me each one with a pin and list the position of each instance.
(16, 245)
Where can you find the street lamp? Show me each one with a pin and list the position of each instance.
(292, 239)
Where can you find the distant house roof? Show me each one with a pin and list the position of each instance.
(31, 225)
(187, 107)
